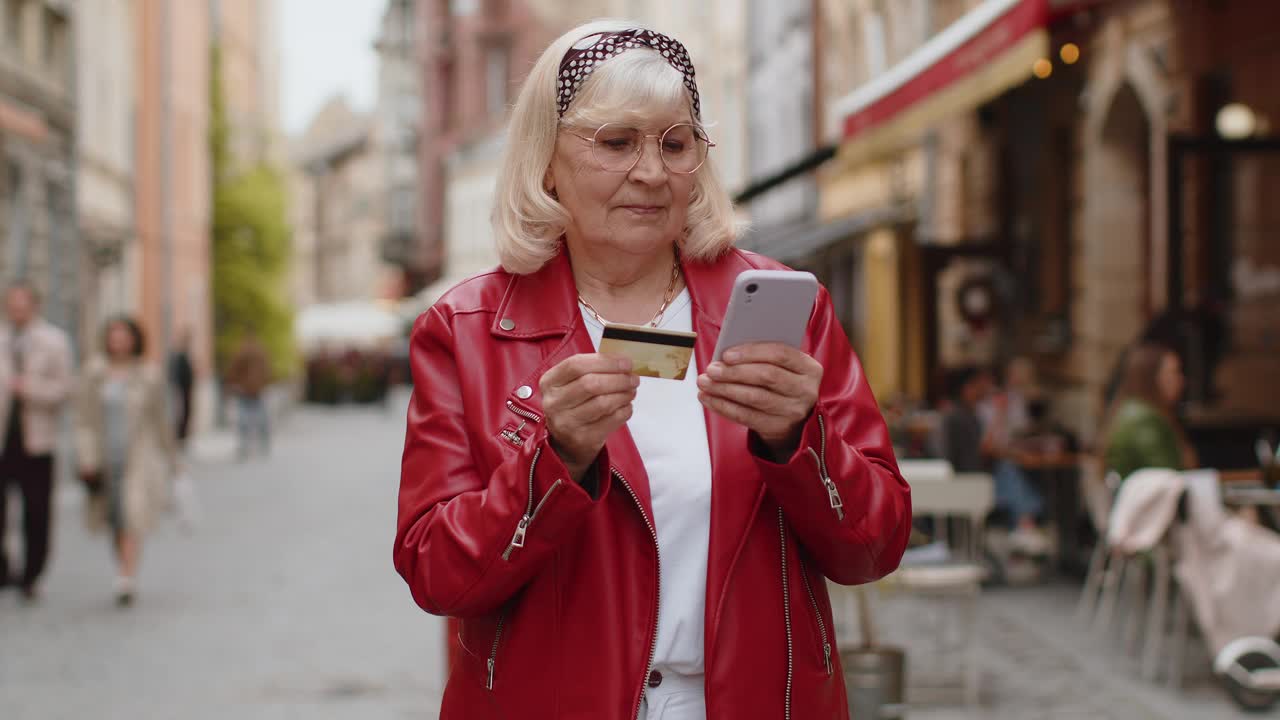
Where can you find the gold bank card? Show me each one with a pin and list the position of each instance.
(653, 352)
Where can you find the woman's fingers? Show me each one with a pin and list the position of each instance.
(750, 396)
(599, 407)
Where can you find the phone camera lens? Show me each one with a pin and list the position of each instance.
(751, 289)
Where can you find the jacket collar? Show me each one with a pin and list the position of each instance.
(540, 304)
(545, 303)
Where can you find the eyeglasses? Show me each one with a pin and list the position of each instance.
(617, 148)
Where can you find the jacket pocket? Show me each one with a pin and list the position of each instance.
(826, 641)
(491, 662)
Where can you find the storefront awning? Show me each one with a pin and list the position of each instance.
(793, 243)
(991, 49)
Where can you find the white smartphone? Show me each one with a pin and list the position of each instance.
(768, 306)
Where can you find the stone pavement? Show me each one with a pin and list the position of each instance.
(284, 604)
(1038, 664)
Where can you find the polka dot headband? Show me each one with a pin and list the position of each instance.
(589, 52)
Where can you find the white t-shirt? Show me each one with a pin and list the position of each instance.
(670, 432)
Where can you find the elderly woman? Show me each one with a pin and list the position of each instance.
(125, 446)
(619, 547)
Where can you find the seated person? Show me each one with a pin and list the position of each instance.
(971, 446)
(1141, 429)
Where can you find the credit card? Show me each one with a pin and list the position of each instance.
(653, 352)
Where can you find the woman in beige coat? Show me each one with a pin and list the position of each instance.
(126, 448)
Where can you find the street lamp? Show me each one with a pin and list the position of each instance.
(1236, 121)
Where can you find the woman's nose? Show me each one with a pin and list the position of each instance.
(649, 167)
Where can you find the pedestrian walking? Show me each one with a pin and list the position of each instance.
(248, 377)
(618, 546)
(36, 380)
(126, 446)
(182, 376)
(182, 379)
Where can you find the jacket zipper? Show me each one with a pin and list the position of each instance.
(817, 613)
(513, 435)
(657, 593)
(833, 492)
(786, 612)
(522, 528)
(493, 652)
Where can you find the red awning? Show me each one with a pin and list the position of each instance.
(978, 57)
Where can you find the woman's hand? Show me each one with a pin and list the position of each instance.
(769, 387)
(585, 399)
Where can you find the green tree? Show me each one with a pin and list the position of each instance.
(251, 246)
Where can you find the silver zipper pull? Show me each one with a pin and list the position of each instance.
(517, 540)
(833, 494)
(513, 437)
(826, 656)
(488, 685)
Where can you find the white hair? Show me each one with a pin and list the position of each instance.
(528, 222)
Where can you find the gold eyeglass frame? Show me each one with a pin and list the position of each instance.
(698, 133)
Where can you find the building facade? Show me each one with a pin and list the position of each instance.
(106, 67)
(37, 149)
(172, 176)
(245, 33)
(339, 201)
(1057, 186)
(398, 117)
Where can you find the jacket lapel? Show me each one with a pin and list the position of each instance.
(544, 305)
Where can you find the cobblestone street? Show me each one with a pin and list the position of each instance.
(284, 604)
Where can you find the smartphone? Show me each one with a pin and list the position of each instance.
(768, 306)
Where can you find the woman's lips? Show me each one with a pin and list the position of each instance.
(643, 209)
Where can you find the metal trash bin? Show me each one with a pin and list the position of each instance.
(875, 681)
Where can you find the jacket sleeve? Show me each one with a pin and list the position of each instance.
(841, 492)
(87, 424)
(467, 539)
(158, 415)
(51, 388)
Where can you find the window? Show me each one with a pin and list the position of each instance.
(56, 213)
(13, 23)
(496, 80)
(458, 8)
(402, 210)
(55, 42)
(17, 220)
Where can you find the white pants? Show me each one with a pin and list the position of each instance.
(679, 697)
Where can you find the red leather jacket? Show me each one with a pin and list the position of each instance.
(557, 589)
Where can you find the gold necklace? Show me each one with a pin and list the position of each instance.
(667, 299)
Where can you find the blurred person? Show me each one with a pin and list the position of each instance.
(182, 376)
(36, 380)
(618, 546)
(1006, 412)
(972, 447)
(1008, 417)
(248, 377)
(1141, 429)
(126, 446)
